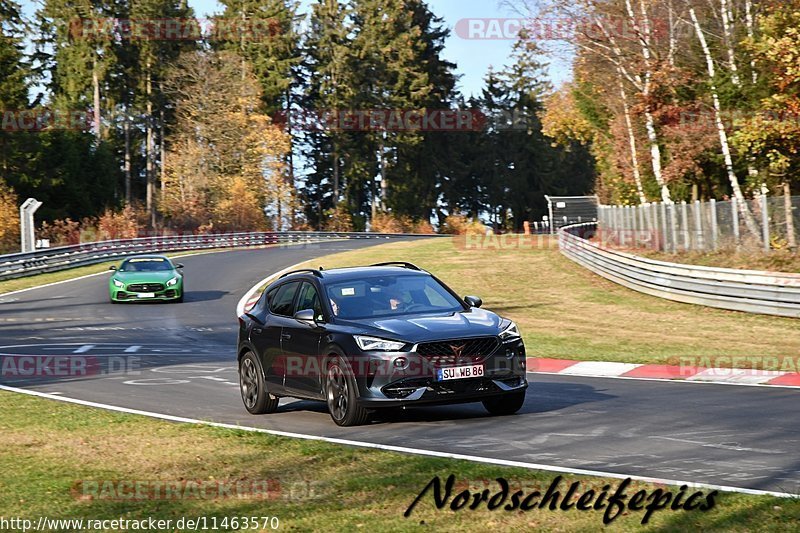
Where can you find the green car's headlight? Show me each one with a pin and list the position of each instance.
(172, 282)
(118, 283)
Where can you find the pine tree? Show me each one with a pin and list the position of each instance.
(327, 79)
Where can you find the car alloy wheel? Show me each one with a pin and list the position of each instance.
(249, 383)
(340, 396)
(255, 397)
(337, 392)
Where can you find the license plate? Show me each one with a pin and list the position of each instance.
(459, 372)
(146, 295)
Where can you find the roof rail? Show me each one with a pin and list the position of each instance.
(298, 271)
(403, 264)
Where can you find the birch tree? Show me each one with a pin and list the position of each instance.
(720, 124)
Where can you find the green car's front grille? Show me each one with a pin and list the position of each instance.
(145, 287)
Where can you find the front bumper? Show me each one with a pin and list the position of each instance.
(383, 384)
(121, 295)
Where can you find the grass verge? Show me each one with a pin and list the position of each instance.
(567, 312)
(48, 461)
(775, 261)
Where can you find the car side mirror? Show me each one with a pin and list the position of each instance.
(178, 265)
(112, 267)
(305, 315)
(473, 301)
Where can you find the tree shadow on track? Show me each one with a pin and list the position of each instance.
(203, 296)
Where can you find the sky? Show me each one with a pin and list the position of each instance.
(470, 22)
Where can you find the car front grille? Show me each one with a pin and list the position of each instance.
(145, 287)
(458, 351)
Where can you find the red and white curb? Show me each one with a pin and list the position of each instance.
(697, 374)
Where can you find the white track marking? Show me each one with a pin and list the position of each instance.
(404, 449)
(736, 375)
(598, 368)
(675, 381)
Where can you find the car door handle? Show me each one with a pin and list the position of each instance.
(258, 330)
(286, 336)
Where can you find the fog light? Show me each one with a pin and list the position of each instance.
(401, 362)
(510, 353)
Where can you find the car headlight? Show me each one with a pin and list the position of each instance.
(511, 332)
(118, 283)
(173, 281)
(373, 343)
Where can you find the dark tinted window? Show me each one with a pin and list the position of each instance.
(281, 301)
(309, 299)
(149, 264)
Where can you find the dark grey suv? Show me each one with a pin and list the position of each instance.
(384, 335)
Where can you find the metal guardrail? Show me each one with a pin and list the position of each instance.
(64, 257)
(752, 291)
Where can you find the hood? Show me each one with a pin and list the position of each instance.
(161, 276)
(432, 326)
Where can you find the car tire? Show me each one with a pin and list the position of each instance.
(508, 404)
(340, 395)
(180, 298)
(257, 400)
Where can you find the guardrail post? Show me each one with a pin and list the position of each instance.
(765, 222)
(735, 215)
(714, 225)
(698, 226)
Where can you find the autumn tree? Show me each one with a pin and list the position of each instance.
(226, 163)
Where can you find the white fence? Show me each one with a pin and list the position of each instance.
(702, 226)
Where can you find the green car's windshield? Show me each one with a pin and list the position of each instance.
(146, 265)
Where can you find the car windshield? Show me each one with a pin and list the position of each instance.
(145, 265)
(392, 295)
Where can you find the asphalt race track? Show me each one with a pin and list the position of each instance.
(179, 359)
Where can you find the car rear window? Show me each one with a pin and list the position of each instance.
(281, 302)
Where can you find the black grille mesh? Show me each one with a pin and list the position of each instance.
(145, 287)
(458, 351)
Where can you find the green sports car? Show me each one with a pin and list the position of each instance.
(146, 278)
